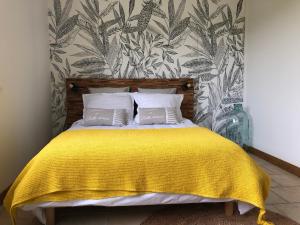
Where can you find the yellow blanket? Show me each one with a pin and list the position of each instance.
(95, 164)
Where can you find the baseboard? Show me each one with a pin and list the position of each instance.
(3, 194)
(278, 162)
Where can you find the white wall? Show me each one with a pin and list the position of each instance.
(273, 76)
(24, 84)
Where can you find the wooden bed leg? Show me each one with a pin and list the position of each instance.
(50, 216)
(229, 208)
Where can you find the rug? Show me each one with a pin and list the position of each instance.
(209, 214)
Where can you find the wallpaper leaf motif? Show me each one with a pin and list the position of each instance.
(202, 39)
(63, 31)
(97, 31)
(239, 8)
(67, 26)
(176, 25)
(180, 11)
(171, 9)
(131, 6)
(57, 9)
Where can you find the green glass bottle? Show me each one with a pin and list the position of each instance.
(238, 129)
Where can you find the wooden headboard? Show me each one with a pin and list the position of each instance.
(76, 87)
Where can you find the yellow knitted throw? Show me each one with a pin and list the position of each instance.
(95, 164)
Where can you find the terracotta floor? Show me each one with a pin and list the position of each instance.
(284, 199)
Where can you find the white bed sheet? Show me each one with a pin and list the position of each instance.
(78, 125)
(139, 200)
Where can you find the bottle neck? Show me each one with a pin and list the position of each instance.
(238, 107)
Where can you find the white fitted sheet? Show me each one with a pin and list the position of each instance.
(138, 200)
(184, 124)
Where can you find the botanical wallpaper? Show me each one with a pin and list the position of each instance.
(201, 39)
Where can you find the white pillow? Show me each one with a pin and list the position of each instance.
(157, 91)
(108, 90)
(110, 101)
(160, 101)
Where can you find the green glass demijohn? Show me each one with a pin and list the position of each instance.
(238, 129)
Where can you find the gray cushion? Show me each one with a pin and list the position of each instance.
(158, 91)
(108, 90)
(148, 116)
(104, 117)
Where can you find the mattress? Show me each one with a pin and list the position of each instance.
(139, 200)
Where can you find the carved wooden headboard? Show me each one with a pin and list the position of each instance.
(76, 87)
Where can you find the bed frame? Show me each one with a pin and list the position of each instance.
(229, 208)
(76, 87)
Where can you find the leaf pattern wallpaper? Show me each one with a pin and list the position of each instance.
(200, 39)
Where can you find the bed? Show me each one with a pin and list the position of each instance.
(169, 164)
